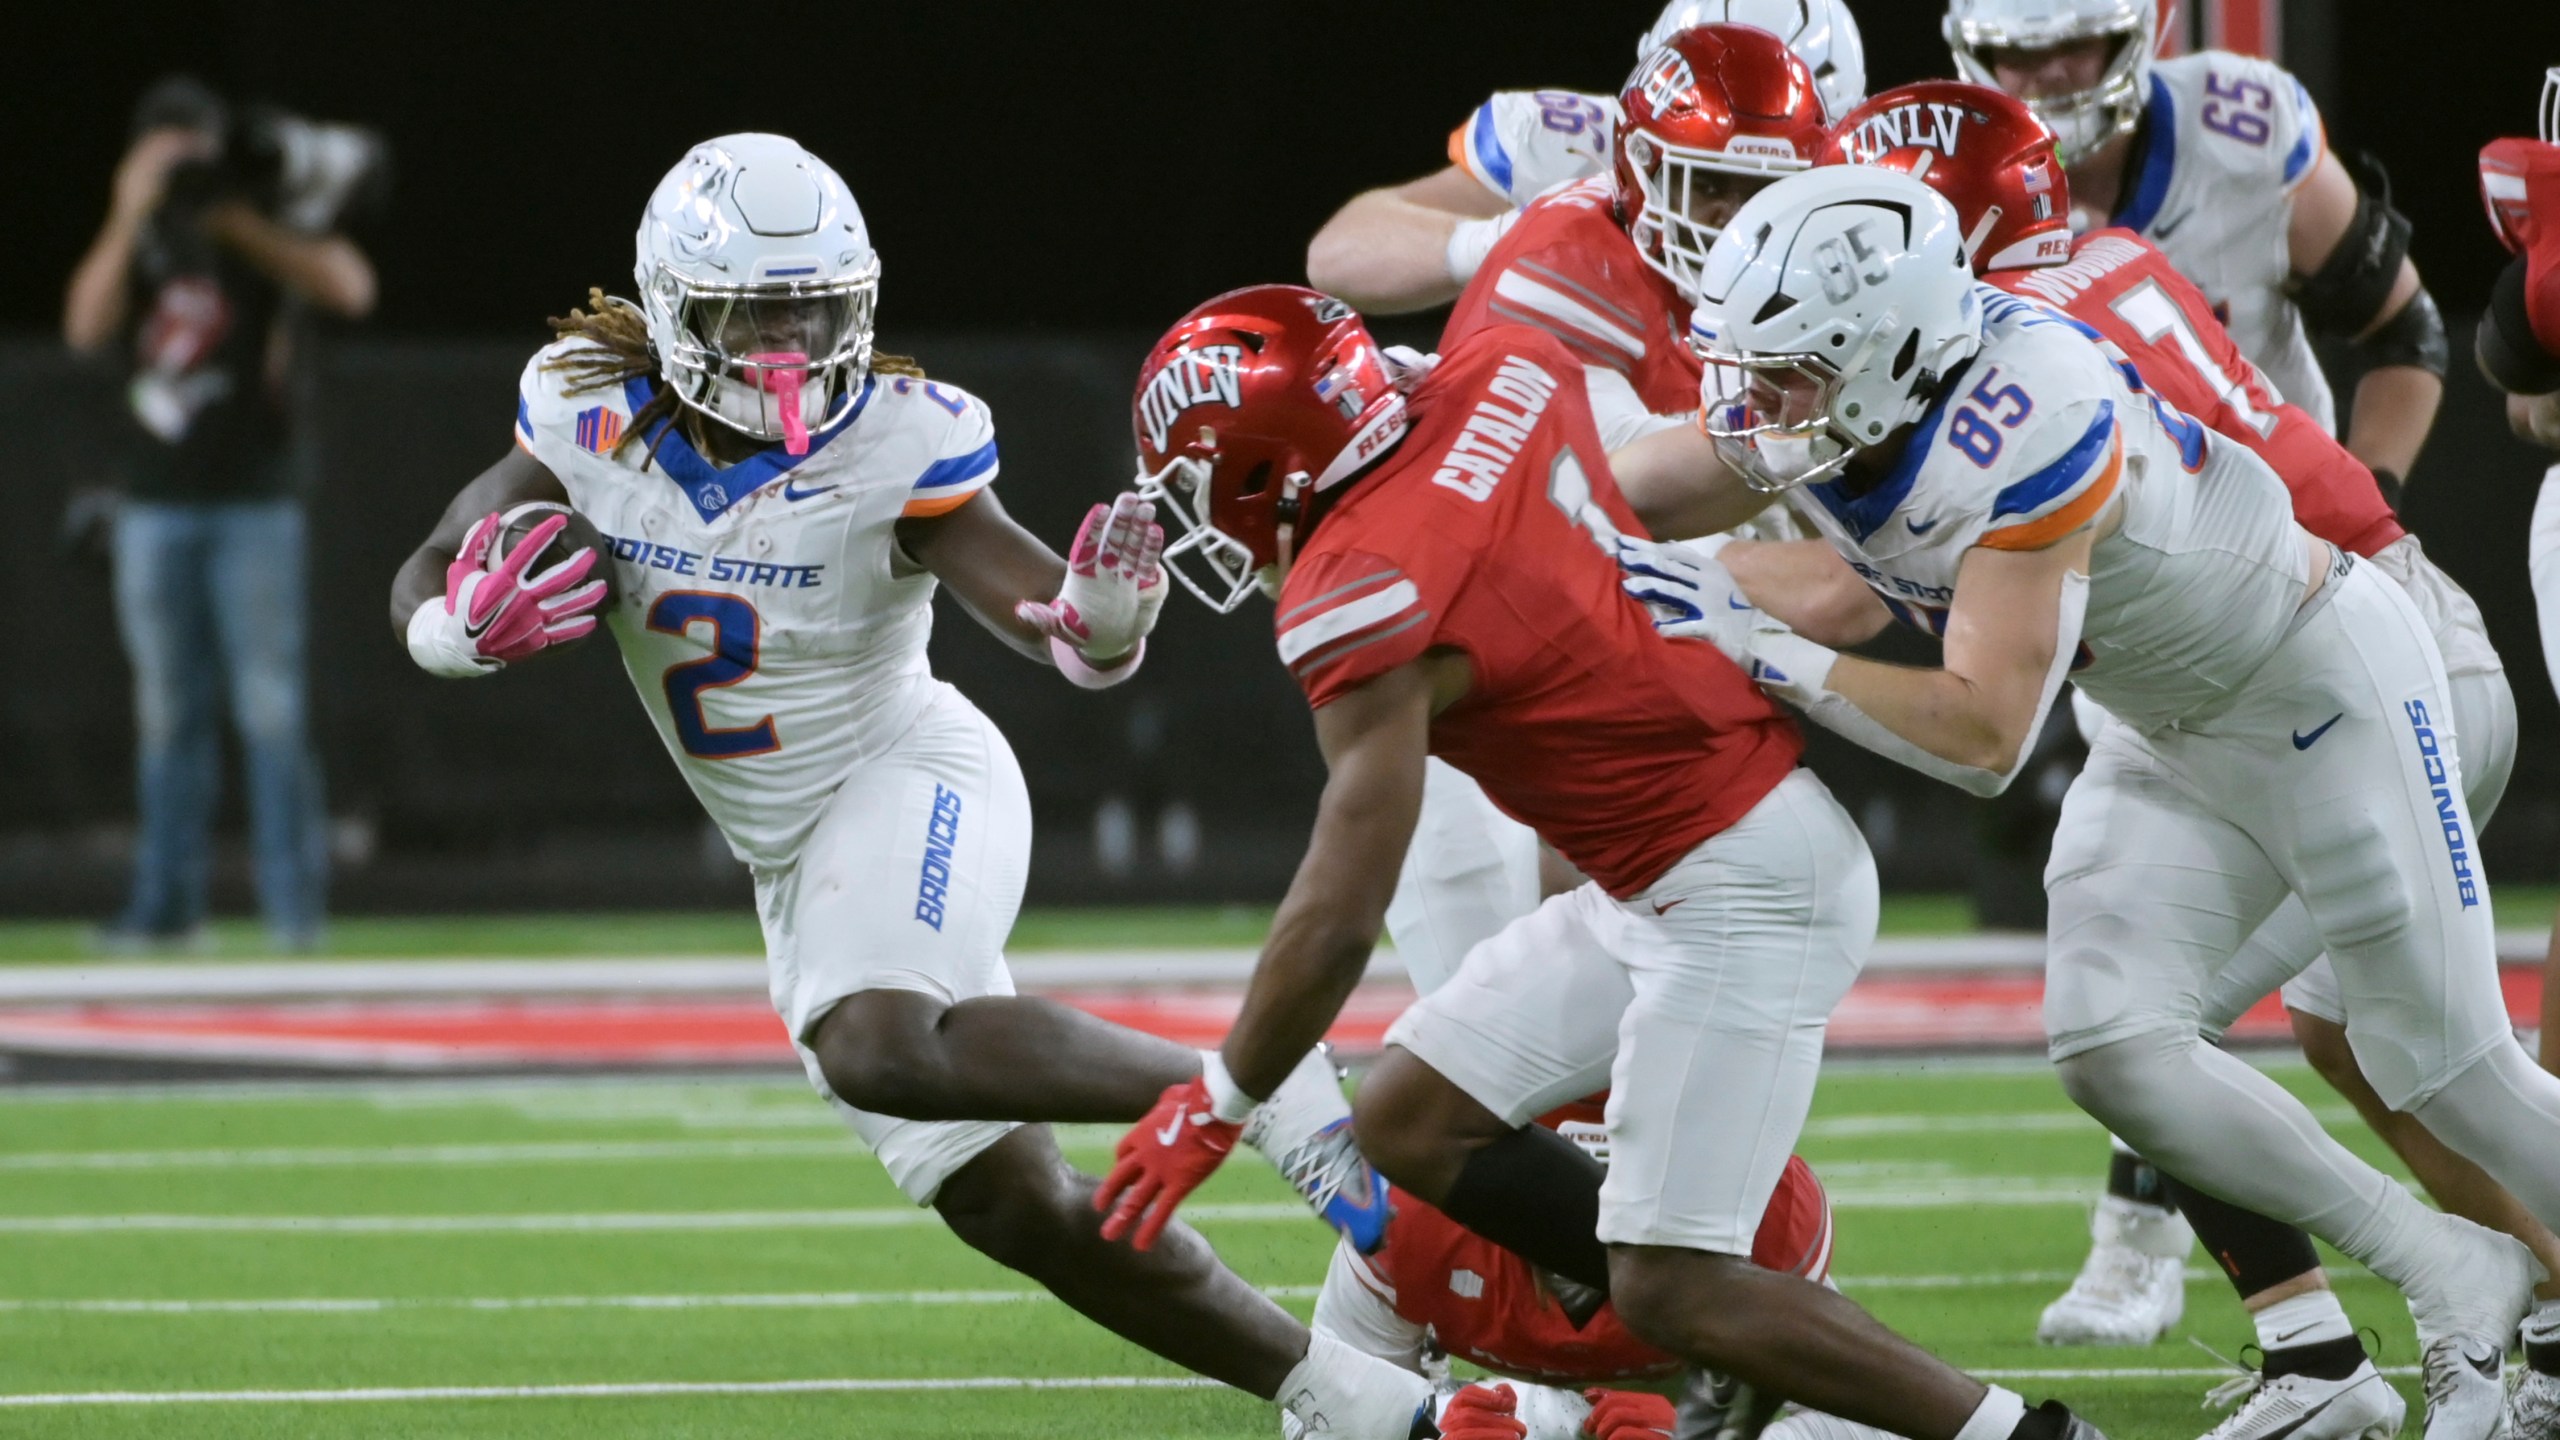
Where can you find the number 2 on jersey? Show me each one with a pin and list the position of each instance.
(736, 643)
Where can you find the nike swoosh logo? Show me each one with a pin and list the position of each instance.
(1173, 1128)
(2161, 230)
(1674, 905)
(1736, 602)
(2302, 741)
(2288, 1335)
(791, 490)
(1917, 528)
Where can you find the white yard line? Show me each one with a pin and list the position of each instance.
(533, 1152)
(375, 1305)
(831, 1387)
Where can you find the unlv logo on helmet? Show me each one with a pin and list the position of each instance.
(1194, 377)
(1666, 79)
(1930, 126)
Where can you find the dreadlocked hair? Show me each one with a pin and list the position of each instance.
(617, 350)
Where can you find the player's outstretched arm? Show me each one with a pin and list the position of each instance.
(2353, 278)
(1409, 246)
(1679, 487)
(512, 481)
(1089, 613)
(1374, 739)
(1808, 588)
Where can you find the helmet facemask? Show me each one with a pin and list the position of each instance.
(1770, 418)
(1685, 198)
(2551, 106)
(2082, 121)
(1210, 563)
(774, 361)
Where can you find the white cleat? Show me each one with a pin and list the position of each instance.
(2467, 1308)
(1304, 1129)
(2133, 1287)
(2533, 1406)
(2362, 1406)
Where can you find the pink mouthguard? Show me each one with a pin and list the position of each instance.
(782, 374)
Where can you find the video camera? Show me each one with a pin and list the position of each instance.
(309, 175)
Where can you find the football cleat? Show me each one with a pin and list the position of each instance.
(1304, 1129)
(2533, 1406)
(2467, 1308)
(2363, 1406)
(2133, 1287)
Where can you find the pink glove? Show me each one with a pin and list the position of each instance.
(1114, 586)
(1482, 1412)
(1163, 1158)
(1628, 1415)
(493, 618)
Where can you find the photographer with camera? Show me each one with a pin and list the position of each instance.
(220, 241)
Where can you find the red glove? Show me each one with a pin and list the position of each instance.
(2520, 181)
(1482, 1412)
(1627, 1415)
(1162, 1159)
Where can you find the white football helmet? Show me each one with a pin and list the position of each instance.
(1845, 298)
(759, 283)
(2083, 120)
(2551, 106)
(1822, 33)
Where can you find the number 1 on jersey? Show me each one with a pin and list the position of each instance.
(736, 644)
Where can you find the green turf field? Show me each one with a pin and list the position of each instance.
(720, 932)
(734, 932)
(431, 1238)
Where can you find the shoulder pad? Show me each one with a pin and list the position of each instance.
(547, 412)
(960, 458)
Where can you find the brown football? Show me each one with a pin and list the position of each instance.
(581, 534)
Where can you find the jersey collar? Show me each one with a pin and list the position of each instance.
(1863, 515)
(2155, 157)
(712, 489)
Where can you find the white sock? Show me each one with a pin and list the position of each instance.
(1996, 1418)
(1339, 1393)
(2309, 1319)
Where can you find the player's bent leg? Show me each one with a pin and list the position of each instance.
(1020, 1204)
(991, 1057)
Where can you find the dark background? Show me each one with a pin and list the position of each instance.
(1048, 187)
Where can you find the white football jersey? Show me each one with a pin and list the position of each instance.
(2229, 138)
(2041, 433)
(1522, 143)
(774, 634)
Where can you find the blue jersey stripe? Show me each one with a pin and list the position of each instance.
(2301, 158)
(524, 418)
(2052, 482)
(2159, 160)
(959, 469)
(1487, 146)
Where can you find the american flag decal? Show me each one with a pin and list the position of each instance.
(599, 429)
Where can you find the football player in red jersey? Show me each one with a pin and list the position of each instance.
(1991, 156)
(1609, 265)
(1444, 561)
(2519, 351)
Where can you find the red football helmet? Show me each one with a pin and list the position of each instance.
(1248, 406)
(1981, 148)
(1708, 118)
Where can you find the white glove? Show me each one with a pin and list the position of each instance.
(487, 619)
(1693, 597)
(1407, 367)
(1114, 587)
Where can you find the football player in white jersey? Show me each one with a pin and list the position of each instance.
(2221, 161)
(781, 504)
(1416, 245)
(1975, 454)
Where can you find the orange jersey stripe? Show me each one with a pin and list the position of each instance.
(2037, 534)
(937, 504)
(1458, 149)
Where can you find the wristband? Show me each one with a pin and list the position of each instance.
(1473, 240)
(1227, 1099)
(1791, 667)
(1084, 674)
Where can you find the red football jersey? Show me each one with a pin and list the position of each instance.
(2120, 285)
(1488, 1306)
(1567, 267)
(1488, 531)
